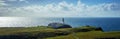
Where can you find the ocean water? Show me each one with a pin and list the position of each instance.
(107, 24)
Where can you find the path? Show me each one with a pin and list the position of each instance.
(75, 36)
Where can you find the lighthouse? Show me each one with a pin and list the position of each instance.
(63, 21)
(59, 25)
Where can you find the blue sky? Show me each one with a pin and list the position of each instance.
(11, 11)
(99, 1)
(59, 8)
(44, 2)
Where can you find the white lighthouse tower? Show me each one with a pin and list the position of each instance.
(63, 21)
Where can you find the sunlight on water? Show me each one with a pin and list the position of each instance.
(24, 21)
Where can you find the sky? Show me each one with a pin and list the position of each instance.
(59, 8)
(13, 12)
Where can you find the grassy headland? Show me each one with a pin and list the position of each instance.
(42, 32)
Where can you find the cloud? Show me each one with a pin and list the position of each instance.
(64, 9)
(18, 1)
(2, 3)
(11, 0)
(24, 1)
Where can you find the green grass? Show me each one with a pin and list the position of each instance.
(64, 33)
(90, 35)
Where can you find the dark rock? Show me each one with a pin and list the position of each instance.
(99, 29)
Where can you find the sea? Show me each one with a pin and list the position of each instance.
(107, 24)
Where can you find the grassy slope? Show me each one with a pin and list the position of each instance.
(33, 31)
(90, 35)
(8, 31)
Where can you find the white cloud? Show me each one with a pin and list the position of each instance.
(24, 1)
(18, 1)
(11, 0)
(2, 3)
(63, 9)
